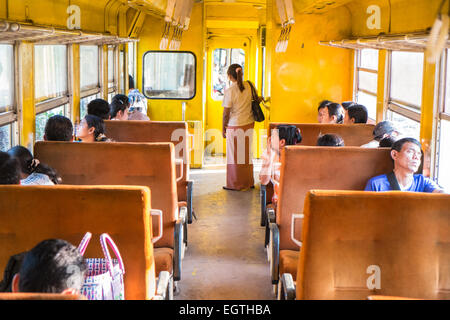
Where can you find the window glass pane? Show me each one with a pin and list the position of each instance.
(6, 77)
(121, 75)
(5, 137)
(41, 120)
(444, 155)
(367, 81)
(222, 59)
(447, 86)
(169, 75)
(131, 59)
(111, 63)
(89, 67)
(406, 78)
(50, 68)
(369, 59)
(85, 101)
(369, 101)
(408, 127)
(110, 96)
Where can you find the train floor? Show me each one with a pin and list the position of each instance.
(225, 258)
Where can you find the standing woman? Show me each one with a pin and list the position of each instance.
(237, 128)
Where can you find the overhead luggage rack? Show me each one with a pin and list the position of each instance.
(408, 42)
(14, 31)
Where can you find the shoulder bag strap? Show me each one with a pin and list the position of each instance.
(254, 94)
(393, 181)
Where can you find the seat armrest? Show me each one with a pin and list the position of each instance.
(178, 249)
(274, 250)
(287, 288)
(270, 217)
(183, 219)
(379, 297)
(163, 287)
(190, 210)
(263, 196)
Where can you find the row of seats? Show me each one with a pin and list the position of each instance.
(154, 157)
(356, 228)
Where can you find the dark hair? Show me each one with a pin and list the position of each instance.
(27, 164)
(347, 104)
(290, 133)
(130, 82)
(52, 266)
(358, 112)
(119, 103)
(330, 140)
(99, 108)
(323, 104)
(398, 145)
(335, 109)
(235, 71)
(9, 169)
(58, 128)
(99, 126)
(387, 142)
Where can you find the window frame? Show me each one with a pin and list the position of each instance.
(356, 88)
(169, 51)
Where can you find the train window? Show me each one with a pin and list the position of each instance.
(85, 101)
(366, 80)
(169, 75)
(408, 126)
(406, 78)
(131, 60)
(50, 71)
(89, 67)
(222, 59)
(6, 78)
(41, 119)
(111, 66)
(5, 137)
(121, 71)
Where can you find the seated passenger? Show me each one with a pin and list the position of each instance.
(99, 108)
(387, 142)
(138, 103)
(9, 169)
(92, 129)
(119, 107)
(330, 140)
(382, 130)
(356, 113)
(284, 135)
(58, 128)
(32, 171)
(52, 266)
(406, 154)
(330, 113)
(347, 104)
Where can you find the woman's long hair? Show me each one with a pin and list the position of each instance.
(235, 71)
(99, 126)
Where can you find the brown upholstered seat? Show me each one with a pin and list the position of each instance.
(305, 168)
(347, 234)
(145, 164)
(31, 214)
(353, 134)
(40, 296)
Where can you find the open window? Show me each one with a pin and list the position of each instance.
(8, 115)
(366, 77)
(169, 75)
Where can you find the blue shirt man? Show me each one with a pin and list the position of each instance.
(407, 158)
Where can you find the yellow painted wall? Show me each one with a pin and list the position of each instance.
(308, 72)
(150, 37)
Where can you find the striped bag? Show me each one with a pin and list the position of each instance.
(104, 276)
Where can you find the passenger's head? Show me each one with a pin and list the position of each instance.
(92, 128)
(58, 128)
(285, 135)
(407, 154)
(119, 107)
(9, 169)
(347, 104)
(331, 113)
(52, 266)
(356, 113)
(99, 108)
(28, 164)
(330, 140)
(235, 73)
(385, 129)
(387, 142)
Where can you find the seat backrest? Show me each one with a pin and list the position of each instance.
(31, 214)
(353, 134)
(155, 131)
(331, 168)
(40, 296)
(395, 243)
(141, 164)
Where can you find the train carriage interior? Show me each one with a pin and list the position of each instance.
(190, 185)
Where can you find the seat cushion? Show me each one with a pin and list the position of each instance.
(163, 260)
(289, 262)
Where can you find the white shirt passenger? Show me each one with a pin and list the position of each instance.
(240, 104)
(371, 144)
(36, 179)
